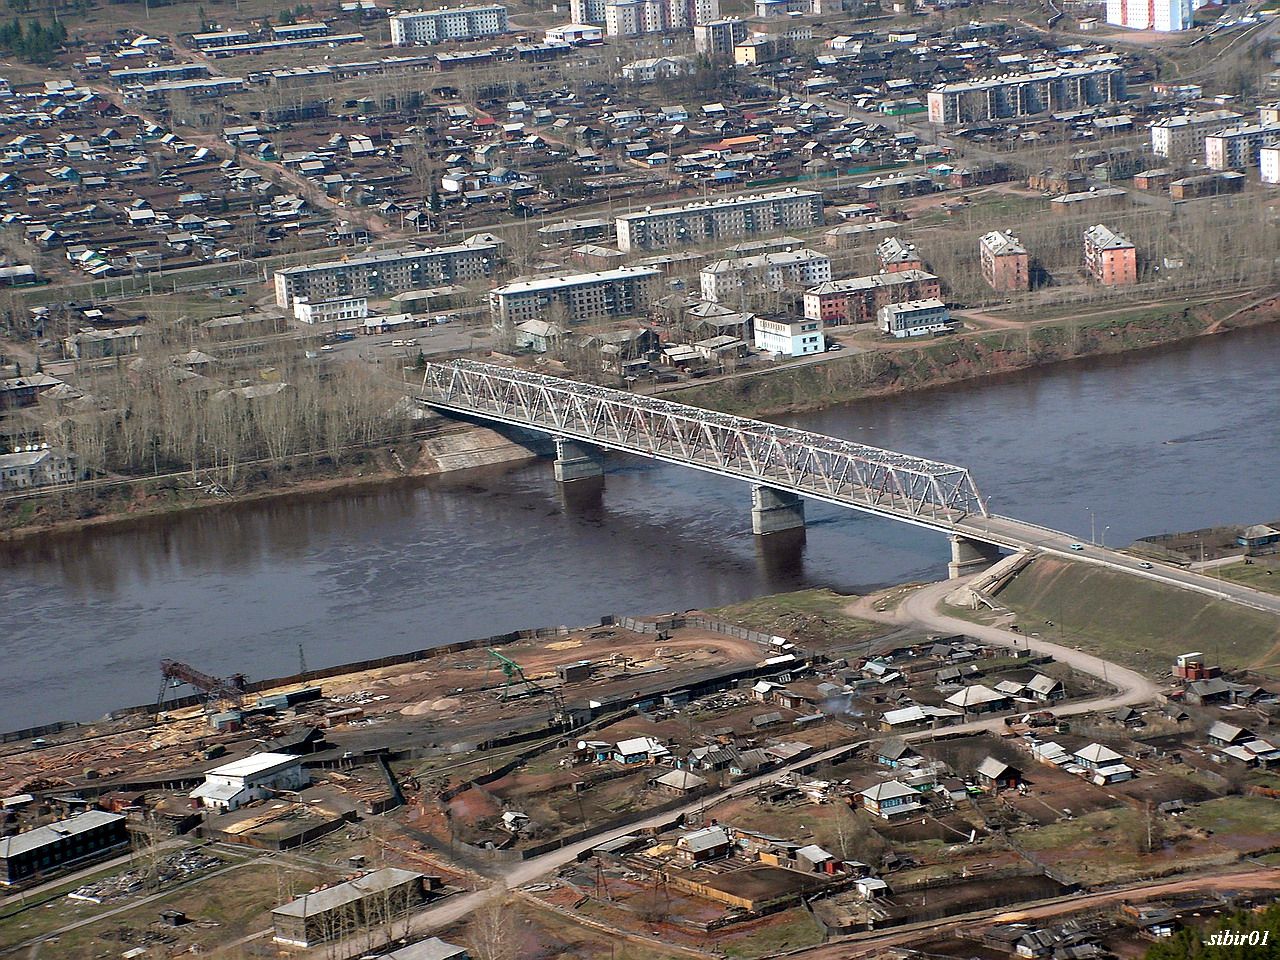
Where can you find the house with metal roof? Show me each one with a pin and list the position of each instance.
(378, 897)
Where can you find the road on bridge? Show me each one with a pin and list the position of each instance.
(1020, 535)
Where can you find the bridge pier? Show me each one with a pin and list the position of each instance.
(773, 511)
(970, 556)
(576, 460)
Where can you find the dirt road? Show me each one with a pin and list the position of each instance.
(867, 944)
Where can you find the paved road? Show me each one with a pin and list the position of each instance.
(1018, 534)
(918, 609)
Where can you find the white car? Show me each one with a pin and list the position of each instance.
(1077, 546)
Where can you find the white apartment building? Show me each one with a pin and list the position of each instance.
(915, 318)
(330, 311)
(382, 274)
(1162, 16)
(461, 23)
(790, 338)
(717, 38)
(1237, 148)
(1269, 162)
(709, 220)
(737, 279)
(1025, 95)
(577, 297)
(1181, 137)
(232, 785)
(587, 11)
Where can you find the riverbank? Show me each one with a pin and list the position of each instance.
(147, 500)
(950, 360)
(937, 363)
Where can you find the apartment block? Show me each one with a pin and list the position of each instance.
(1237, 148)
(630, 18)
(791, 337)
(1110, 257)
(1006, 266)
(435, 26)
(577, 297)
(1025, 95)
(859, 299)
(717, 38)
(738, 279)
(382, 274)
(896, 255)
(1162, 16)
(1269, 163)
(710, 220)
(587, 11)
(914, 318)
(1178, 138)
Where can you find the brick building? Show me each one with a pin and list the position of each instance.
(1006, 266)
(1110, 257)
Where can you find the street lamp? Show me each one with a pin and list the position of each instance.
(1104, 536)
(1093, 538)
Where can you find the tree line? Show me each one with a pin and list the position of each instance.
(33, 42)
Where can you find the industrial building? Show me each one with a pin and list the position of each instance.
(1181, 137)
(859, 299)
(705, 221)
(1238, 148)
(435, 26)
(915, 318)
(1162, 16)
(242, 781)
(382, 274)
(1025, 95)
(1110, 257)
(740, 277)
(67, 843)
(1006, 266)
(791, 337)
(577, 297)
(377, 898)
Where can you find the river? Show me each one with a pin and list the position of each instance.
(1174, 439)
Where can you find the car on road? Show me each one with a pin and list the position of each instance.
(328, 347)
(1077, 546)
(1144, 565)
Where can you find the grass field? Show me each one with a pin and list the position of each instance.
(1242, 822)
(809, 617)
(222, 907)
(1138, 622)
(1261, 574)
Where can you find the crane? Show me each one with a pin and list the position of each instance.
(514, 673)
(215, 689)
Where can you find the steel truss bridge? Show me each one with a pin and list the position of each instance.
(912, 489)
(926, 493)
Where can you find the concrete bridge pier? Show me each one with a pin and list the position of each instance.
(970, 556)
(576, 460)
(773, 511)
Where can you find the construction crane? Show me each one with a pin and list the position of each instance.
(514, 674)
(215, 689)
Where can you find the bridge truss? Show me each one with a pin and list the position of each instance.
(826, 468)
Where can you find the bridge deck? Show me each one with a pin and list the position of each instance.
(920, 491)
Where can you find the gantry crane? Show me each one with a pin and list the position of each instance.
(216, 690)
(515, 673)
